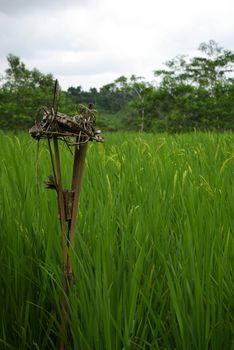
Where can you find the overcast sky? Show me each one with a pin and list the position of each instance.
(92, 42)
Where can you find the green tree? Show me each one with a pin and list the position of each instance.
(23, 92)
(137, 88)
(195, 90)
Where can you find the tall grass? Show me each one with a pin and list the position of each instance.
(154, 253)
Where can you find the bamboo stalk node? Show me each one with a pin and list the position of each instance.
(68, 196)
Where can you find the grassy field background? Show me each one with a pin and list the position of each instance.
(154, 257)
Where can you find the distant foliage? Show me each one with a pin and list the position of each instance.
(195, 93)
(190, 93)
(22, 93)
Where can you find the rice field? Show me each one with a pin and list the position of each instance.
(154, 256)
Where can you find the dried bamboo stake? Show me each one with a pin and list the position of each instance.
(78, 168)
(61, 207)
(61, 204)
(58, 126)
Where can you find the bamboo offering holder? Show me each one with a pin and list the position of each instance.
(75, 131)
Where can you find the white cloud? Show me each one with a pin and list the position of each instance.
(92, 42)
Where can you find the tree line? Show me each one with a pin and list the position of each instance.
(191, 93)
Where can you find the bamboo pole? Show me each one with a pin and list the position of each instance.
(61, 204)
(61, 207)
(55, 126)
(68, 234)
(78, 168)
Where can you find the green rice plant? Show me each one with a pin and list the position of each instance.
(153, 262)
